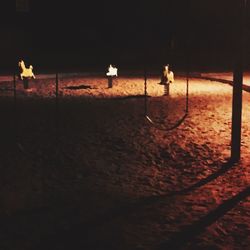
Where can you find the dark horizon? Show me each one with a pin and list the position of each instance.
(130, 34)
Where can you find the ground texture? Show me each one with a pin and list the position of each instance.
(88, 171)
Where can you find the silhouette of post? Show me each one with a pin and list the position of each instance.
(56, 111)
(166, 89)
(187, 90)
(237, 113)
(110, 81)
(25, 83)
(56, 89)
(237, 85)
(145, 92)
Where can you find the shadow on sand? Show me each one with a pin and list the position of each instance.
(79, 233)
(79, 87)
(224, 168)
(244, 86)
(188, 233)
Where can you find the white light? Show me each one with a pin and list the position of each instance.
(112, 71)
(168, 74)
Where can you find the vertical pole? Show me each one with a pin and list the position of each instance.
(237, 89)
(236, 113)
(15, 129)
(187, 91)
(56, 111)
(56, 101)
(166, 89)
(187, 75)
(56, 89)
(187, 58)
(145, 93)
(25, 83)
(110, 81)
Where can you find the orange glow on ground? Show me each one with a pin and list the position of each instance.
(98, 167)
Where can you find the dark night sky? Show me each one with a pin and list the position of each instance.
(90, 28)
(104, 23)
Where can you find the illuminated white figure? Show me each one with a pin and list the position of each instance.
(168, 75)
(112, 71)
(26, 72)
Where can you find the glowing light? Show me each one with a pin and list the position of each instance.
(112, 71)
(168, 74)
(26, 72)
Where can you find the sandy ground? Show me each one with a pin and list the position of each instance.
(90, 172)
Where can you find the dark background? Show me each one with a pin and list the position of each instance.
(86, 35)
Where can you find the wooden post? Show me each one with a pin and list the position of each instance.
(237, 86)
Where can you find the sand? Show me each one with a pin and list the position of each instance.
(88, 171)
